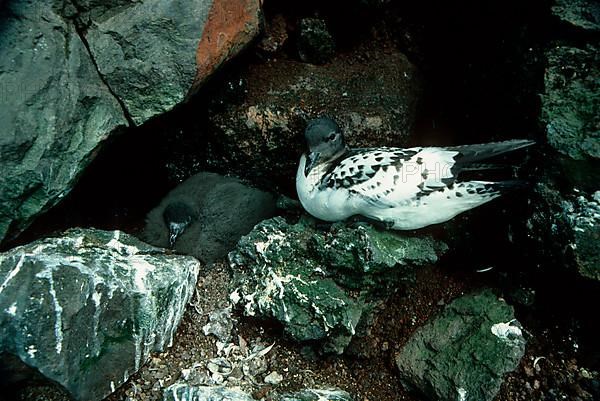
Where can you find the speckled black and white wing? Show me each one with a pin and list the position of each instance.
(360, 166)
(393, 176)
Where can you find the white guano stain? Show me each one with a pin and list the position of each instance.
(505, 330)
(48, 275)
(12, 273)
(31, 350)
(12, 309)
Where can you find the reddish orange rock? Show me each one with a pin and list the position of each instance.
(231, 25)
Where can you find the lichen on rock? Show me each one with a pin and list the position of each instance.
(320, 285)
(463, 353)
(87, 308)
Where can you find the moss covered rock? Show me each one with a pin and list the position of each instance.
(463, 353)
(321, 284)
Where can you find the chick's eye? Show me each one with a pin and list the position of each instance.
(331, 137)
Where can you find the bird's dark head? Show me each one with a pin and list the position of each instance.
(325, 141)
(178, 216)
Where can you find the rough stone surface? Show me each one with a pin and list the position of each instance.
(320, 285)
(182, 391)
(565, 229)
(231, 25)
(583, 14)
(55, 111)
(571, 102)
(374, 101)
(154, 53)
(86, 309)
(463, 353)
(583, 216)
(317, 395)
(315, 43)
(225, 208)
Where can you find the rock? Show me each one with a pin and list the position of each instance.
(315, 43)
(463, 353)
(566, 229)
(583, 216)
(55, 112)
(77, 71)
(584, 14)
(275, 35)
(273, 378)
(222, 210)
(320, 285)
(373, 101)
(155, 53)
(86, 309)
(571, 101)
(220, 324)
(317, 395)
(181, 391)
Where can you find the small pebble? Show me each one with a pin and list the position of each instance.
(273, 378)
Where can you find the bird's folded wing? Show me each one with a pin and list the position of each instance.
(389, 177)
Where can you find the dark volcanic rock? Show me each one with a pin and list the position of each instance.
(372, 94)
(584, 14)
(571, 102)
(86, 309)
(566, 229)
(463, 353)
(74, 71)
(221, 210)
(315, 43)
(55, 111)
(321, 285)
(154, 53)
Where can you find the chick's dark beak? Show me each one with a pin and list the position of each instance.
(311, 161)
(175, 230)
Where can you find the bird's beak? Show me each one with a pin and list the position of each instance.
(175, 230)
(311, 161)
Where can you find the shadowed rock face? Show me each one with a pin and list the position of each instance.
(373, 100)
(571, 102)
(78, 71)
(86, 309)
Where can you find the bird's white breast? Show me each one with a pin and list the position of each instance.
(325, 204)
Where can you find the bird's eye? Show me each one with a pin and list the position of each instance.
(331, 137)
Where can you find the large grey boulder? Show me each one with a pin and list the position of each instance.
(154, 53)
(463, 354)
(87, 308)
(72, 72)
(55, 111)
(321, 285)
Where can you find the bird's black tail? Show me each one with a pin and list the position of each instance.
(473, 153)
(504, 187)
